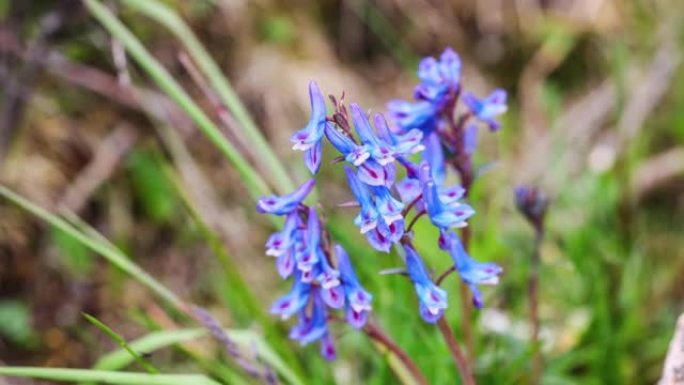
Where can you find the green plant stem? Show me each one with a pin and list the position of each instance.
(105, 377)
(166, 16)
(533, 293)
(113, 255)
(253, 181)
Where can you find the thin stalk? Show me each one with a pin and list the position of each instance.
(456, 353)
(533, 292)
(375, 333)
(164, 15)
(256, 186)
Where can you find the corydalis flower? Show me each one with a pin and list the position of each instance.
(489, 108)
(445, 210)
(472, 272)
(439, 81)
(433, 300)
(282, 205)
(308, 139)
(358, 299)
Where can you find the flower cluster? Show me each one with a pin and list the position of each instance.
(394, 173)
(303, 251)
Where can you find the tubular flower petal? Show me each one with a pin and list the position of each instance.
(431, 297)
(381, 151)
(292, 302)
(358, 299)
(367, 219)
(471, 271)
(441, 214)
(307, 137)
(313, 157)
(352, 152)
(282, 205)
(488, 108)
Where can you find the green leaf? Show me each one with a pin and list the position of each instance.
(96, 243)
(105, 377)
(167, 17)
(161, 339)
(253, 181)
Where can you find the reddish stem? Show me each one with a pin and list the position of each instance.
(378, 335)
(414, 220)
(456, 353)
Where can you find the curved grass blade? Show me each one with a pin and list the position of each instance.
(161, 339)
(115, 256)
(149, 368)
(167, 17)
(253, 181)
(105, 377)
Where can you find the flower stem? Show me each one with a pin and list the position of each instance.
(456, 353)
(375, 333)
(533, 292)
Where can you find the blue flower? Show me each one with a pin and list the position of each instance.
(445, 213)
(328, 350)
(280, 242)
(488, 108)
(292, 302)
(433, 300)
(379, 241)
(438, 79)
(311, 327)
(403, 144)
(313, 157)
(406, 115)
(310, 135)
(471, 271)
(374, 174)
(367, 219)
(388, 207)
(358, 299)
(282, 205)
(313, 239)
(352, 152)
(381, 151)
(434, 155)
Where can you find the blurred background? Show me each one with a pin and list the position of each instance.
(596, 101)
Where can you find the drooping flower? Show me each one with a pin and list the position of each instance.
(358, 299)
(292, 302)
(367, 219)
(406, 115)
(433, 300)
(488, 108)
(402, 144)
(311, 327)
(446, 213)
(472, 272)
(282, 205)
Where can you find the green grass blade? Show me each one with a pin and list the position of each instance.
(254, 183)
(157, 340)
(113, 255)
(105, 377)
(169, 18)
(149, 368)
